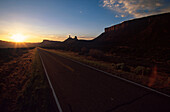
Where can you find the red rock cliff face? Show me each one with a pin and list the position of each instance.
(148, 31)
(136, 24)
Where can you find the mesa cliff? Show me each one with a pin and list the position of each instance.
(141, 23)
(142, 32)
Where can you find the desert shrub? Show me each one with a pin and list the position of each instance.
(147, 71)
(83, 51)
(168, 62)
(96, 53)
(141, 70)
(113, 64)
(1, 87)
(122, 66)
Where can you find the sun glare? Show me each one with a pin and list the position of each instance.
(18, 38)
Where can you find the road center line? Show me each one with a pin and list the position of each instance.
(55, 97)
(66, 66)
(126, 80)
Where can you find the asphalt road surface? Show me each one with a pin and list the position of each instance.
(83, 89)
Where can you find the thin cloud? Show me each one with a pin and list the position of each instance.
(53, 37)
(137, 8)
(116, 16)
(122, 15)
(86, 38)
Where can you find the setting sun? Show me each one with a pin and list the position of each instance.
(18, 38)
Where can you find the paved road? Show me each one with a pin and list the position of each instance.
(83, 89)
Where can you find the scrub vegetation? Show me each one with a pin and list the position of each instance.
(37, 95)
(23, 84)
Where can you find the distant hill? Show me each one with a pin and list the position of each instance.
(49, 43)
(68, 44)
(5, 44)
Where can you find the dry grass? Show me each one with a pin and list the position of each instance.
(13, 78)
(23, 85)
(36, 95)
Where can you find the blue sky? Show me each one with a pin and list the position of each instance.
(56, 19)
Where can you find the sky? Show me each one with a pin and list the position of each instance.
(56, 19)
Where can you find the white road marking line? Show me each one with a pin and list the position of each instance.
(119, 77)
(55, 97)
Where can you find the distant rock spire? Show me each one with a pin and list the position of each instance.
(75, 38)
(69, 36)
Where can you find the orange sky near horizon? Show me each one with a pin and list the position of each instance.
(32, 34)
(35, 38)
(28, 36)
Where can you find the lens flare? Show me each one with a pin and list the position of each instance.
(153, 77)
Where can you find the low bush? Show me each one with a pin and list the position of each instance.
(1, 87)
(122, 66)
(96, 53)
(141, 70)
(83, 51)
(168, 62)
